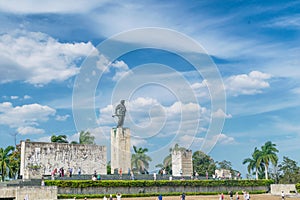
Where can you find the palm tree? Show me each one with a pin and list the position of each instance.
(59, 139)
(139, 160)
(86, 138)
(15, 161)
(253, 164)
(5, 164)
(267, 156)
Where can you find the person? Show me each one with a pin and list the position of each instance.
(221, 197)
(154, 176)
(231, 195)
(79, 171)
(110, 197)
(43, 181)
(120, 173)
(120, 111)
(104, 198)
(26, 197)
(118, 196)
(183, 196)
(282, 194)
(159, 197)
(237, 196)
(247, 196)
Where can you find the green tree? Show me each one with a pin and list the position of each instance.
(290, 171)
(139, 159)
(108, 167)
(86, 138)
(253, 164)
(267, 156)
(203, 163)
(59, 139)
(15, 161)
(5, 160)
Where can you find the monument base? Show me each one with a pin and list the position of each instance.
(120, 150)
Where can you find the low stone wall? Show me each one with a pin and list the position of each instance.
(154, 189)
(36, 193)
(276, 189)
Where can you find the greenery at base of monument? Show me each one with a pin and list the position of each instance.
(85, 137)
(82, 196)
(9, 162)
(139, 160)
(157, 183)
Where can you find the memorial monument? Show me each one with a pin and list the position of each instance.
(182, 164)
(43, 158)
(120, 143)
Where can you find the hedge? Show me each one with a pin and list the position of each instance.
(159, 183)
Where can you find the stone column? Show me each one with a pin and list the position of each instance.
(120, 150)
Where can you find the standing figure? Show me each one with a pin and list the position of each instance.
(120, 113)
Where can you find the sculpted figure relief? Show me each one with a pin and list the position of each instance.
(120, 111)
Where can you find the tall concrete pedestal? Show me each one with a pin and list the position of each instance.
(120, 150)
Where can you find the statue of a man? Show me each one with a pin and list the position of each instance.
(120, 111)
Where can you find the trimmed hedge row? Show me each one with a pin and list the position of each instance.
(151, 183)
(298, 186)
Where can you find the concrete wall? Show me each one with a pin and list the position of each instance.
(33, 193)
(161, 189)
(276, 189)
(182, 163)
(120, 150)
(40, 158)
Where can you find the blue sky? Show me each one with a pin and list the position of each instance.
(48, 49)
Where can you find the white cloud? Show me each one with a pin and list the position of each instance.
(14, 97)
(62, 117)
(24, 118)
(225, 139)
(121, 69)
(27, 97)
(220, 113)
(38, 59)
(247, 84)
(49, 6)
(29, 130)
(152, 119)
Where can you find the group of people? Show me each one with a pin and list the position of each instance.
(246, 196)
(61, 172)
(118, 196)
(182, 197)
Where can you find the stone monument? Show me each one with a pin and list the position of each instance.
(182, 164)
(120, 143)
(42, 158)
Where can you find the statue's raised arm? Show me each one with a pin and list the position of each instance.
(120, 111)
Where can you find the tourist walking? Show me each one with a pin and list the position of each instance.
(183, 196)
(159, 197)
(282, 195)
(231, 195)
(221, 197)
(110, 197)
(237, 196)
(118, 196)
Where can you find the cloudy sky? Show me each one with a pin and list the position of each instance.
(213, 76)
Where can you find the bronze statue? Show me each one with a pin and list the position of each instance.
(120, 111)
